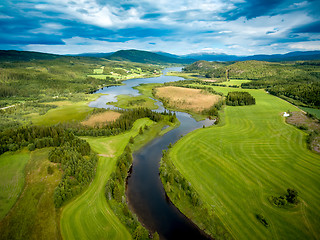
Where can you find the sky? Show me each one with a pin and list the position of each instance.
(237, 27)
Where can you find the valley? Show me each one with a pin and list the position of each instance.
(200, 153)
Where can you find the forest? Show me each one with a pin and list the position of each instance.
(297, 81)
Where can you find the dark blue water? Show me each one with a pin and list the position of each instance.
(145, 193)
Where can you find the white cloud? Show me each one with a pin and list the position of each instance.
(306, 46)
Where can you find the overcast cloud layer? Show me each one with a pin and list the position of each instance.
(240, 27)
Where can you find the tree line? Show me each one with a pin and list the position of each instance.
(123, 123)
(115, 194)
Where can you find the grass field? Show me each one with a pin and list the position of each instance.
(89, 216)
(252, 155)
(315, 112)
(34, 215)
(65, 112)
(12, 176)
(234, 82)
(101, 118)
(129, 102)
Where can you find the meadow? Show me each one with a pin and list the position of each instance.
(34, 215)
(130, 102)
(12, 178)
(66, 111)
(89, 216)
(250, 156)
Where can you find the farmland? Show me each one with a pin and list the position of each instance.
(101, 118)
(188, 99)
(252, 155)
(89, 216)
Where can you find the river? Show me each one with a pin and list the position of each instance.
(145, 193)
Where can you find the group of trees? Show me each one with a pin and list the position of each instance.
(240, 99)
(72, 154)
(78, 164)
(290, 198)
(33, 137)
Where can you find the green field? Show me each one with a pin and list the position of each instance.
(313, 111)
(34, 215)
(252, 155)
(234, 82)
(130, 102)
(65, 112)
(12, 167)
(89, 216)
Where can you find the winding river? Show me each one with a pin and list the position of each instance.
(145, 193)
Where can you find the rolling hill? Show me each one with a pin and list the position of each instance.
(13, 55)
(145, 57)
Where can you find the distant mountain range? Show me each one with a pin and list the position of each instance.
(292, 56)
(160, 57)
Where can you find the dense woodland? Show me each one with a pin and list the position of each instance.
(297, 81)
(77, 162)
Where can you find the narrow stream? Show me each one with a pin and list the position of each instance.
(145, 193)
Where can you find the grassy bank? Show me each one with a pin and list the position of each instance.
(237, 165)
(90, 216)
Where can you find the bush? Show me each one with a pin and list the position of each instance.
(261, 218)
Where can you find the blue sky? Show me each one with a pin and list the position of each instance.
(240, 27)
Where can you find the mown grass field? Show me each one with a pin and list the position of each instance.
(12, 176)
(34, 216)
(89, 216)
(252, 155)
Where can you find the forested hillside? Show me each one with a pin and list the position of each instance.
(298, 82)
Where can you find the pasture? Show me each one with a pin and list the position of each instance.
(12, 178)
(34, 215)
(89, 216)
(252, 155)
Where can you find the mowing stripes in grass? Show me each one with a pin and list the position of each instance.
(89, 216)
(236, 166)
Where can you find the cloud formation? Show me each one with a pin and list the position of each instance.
(239, 27)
